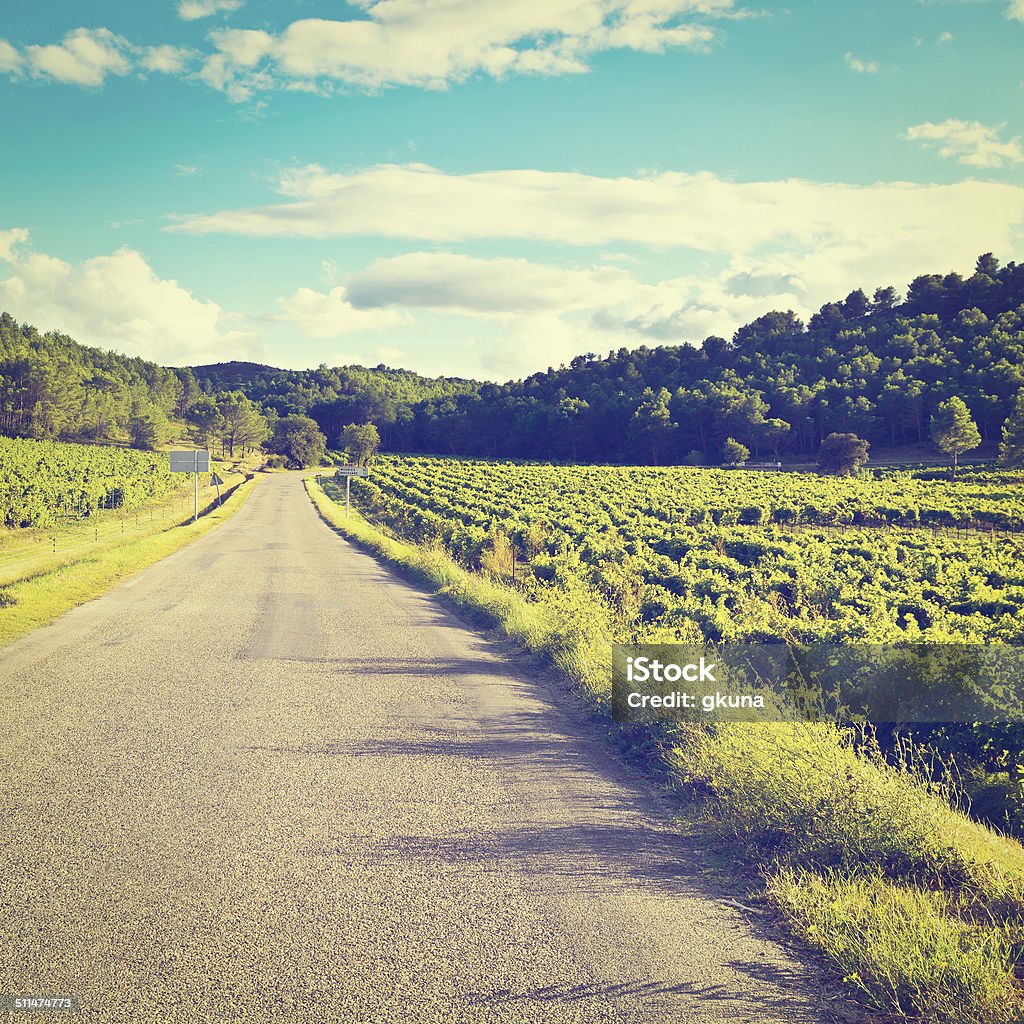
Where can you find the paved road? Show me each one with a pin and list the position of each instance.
(268, 781)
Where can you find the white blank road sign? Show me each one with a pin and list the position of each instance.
(190, 462)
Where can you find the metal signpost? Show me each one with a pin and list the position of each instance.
(216, 481)
(194, 463)
(348, 472)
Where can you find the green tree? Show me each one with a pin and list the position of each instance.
(774, 433)
(569, 415)
(204, 420)
(300, 440)
(953, 430)
(187, 392)
(241, 423)
(1011, 451)
(651, 427)
(360, 442)
(148, 429)
(734, 452)
(103, 391)
(841, 454)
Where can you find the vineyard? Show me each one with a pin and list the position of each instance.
(694, 555)
(46, 482)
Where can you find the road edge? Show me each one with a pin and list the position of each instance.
(39, 600)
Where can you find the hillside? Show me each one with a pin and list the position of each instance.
(337, 396)
(874, 366)
(877, 367)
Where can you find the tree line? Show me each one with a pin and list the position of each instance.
(878, 368)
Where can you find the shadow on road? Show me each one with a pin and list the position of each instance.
(648, 992)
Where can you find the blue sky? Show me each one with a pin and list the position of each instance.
(489, 188)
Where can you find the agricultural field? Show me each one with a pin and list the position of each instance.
(43, 483)
(76, 518)
(695, 555)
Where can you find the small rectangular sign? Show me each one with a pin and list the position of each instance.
(353, 471)
(190, 462)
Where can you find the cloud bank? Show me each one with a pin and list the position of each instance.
(702, 211)
(116, 301)
(192, 10)
(425, 43)
(785, 245)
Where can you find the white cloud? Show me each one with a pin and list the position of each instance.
(432, 43)
(1016, 10)
(330, 315)
(947, 37)
(9, 238)
(117, 301)
(426, 43)
(186, 170)
(191, 10)
(167, 60)
(694, 211)
(87, 56)
(10, 60)
(466, 284)
(532, 315)
(535, 342)
(969, 142)
(862, 67)
(84, 57)
(778, 244)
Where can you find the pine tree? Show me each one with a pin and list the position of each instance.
(1011, 451)
(953, 430)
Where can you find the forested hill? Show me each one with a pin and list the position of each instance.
(53, 387)
(336, 396)
(877, 367)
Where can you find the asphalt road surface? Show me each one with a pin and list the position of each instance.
(266, 780)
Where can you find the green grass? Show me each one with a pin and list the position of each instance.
(43, 596)
(29, 551)
(918, 908)
(803, 794)
(905, 950)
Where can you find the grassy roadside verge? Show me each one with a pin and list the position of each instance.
(38, 599)
(917, 908)
(33, 550)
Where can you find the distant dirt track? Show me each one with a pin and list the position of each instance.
(267, 780)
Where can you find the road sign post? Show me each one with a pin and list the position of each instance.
(194, 462)
(348, 472)
(216, 481)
